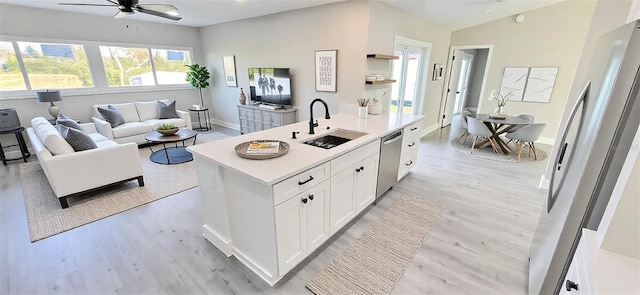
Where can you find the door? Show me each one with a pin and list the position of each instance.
(341, 204)
(463, 83)
(366, 179)
(407, 71)
(317, 214)
(458, 83)
(290, 234)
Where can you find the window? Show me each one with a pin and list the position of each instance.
(55, 66)
(170, 66)
(127, 66)
(10, 74)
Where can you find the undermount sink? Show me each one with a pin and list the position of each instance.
(334, 138)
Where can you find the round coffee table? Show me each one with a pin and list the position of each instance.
(172, 154)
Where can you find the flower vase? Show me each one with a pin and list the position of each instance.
(499, 110)
(241, 97)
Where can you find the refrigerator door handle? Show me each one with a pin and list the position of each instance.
(552, 193)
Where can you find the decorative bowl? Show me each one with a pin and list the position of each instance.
(168, 132)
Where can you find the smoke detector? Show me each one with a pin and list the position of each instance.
(519, 18)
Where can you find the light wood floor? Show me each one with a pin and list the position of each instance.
(480, 244)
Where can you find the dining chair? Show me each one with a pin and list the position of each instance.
(478, 130)
(464, 125)
(527, 117)
(525, 137)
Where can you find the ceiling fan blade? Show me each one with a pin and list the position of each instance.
(120, 14)
(157, 13)
(87, 4)
(158, 7)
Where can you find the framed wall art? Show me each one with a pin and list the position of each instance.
(514, 79)
(326, 70)
(540, 84)
(229, 65)
(437, 72)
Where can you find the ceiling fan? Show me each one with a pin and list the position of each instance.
(129, 7)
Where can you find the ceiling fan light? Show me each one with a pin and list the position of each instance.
(173, 12)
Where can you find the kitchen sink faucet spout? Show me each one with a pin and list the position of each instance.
(326, 114)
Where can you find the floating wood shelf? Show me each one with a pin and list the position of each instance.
(385, 81)
(382, 56)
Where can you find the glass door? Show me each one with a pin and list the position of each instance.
(407, 70)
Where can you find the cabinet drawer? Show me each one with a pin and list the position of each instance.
(289, 187)
(410, 145)
(345, 161)
(413, 131)
(407, 161)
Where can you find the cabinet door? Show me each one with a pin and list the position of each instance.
(290, 234)
(317, 213)
(366, 179)
(341, 204)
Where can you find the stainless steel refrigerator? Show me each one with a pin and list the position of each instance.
(595, 142)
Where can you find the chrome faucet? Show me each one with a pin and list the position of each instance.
(326, 114)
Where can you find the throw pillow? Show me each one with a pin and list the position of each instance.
(66, 121)
(79, 140)
(167, 111)
(111, 115)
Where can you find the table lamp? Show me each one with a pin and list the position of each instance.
(51, 96)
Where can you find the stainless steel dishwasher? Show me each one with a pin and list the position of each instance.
(390, 147)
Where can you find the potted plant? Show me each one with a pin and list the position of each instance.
(198, 77)
(167, 129)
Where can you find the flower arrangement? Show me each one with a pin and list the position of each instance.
(501, 99)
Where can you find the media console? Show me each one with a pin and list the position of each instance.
(259, 117)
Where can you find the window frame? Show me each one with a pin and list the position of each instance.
(96, 68)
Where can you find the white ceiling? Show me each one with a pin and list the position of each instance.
(448, 14)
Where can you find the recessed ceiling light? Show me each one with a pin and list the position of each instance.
(487, 10)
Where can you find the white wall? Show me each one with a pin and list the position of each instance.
(549, 36)
(20, 21)
(289, 40)
(384, 24)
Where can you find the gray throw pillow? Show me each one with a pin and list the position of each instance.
(79, 140)
(111, 115)
(66, 121)
(167, 111)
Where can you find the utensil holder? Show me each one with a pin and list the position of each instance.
(362, 112)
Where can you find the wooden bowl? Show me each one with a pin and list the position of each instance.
(168, 132)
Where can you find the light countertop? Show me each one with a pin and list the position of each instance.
(300, 156)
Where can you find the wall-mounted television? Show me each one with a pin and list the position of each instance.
(270, 85)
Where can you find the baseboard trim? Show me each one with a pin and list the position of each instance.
(214, 238)
(272, 279)
(430, 129)
(225, 124)
(544, 183)
(546, 140)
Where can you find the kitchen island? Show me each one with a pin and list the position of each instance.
(271, 214)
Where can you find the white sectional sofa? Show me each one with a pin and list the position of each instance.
(140, 118)
(71, 173)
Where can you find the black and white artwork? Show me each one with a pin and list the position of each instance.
(514, 80)
(540, 84)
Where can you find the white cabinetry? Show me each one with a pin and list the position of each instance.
(253, 118)
(353, 184)
(410, 143)
(302, 225)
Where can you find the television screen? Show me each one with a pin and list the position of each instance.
(270, 85)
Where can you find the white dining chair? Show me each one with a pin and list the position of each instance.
(527, 117)
(464, 126)
(525, 137)
(478, 130)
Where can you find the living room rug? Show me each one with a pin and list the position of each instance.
(46, 218)
(487, 152)
(374, 263)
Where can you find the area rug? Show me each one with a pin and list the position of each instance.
(46, 218)
(374, 263)
(486, 152)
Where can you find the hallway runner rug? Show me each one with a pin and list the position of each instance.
(374, 263)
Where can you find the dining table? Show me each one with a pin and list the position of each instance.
(499, 126)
